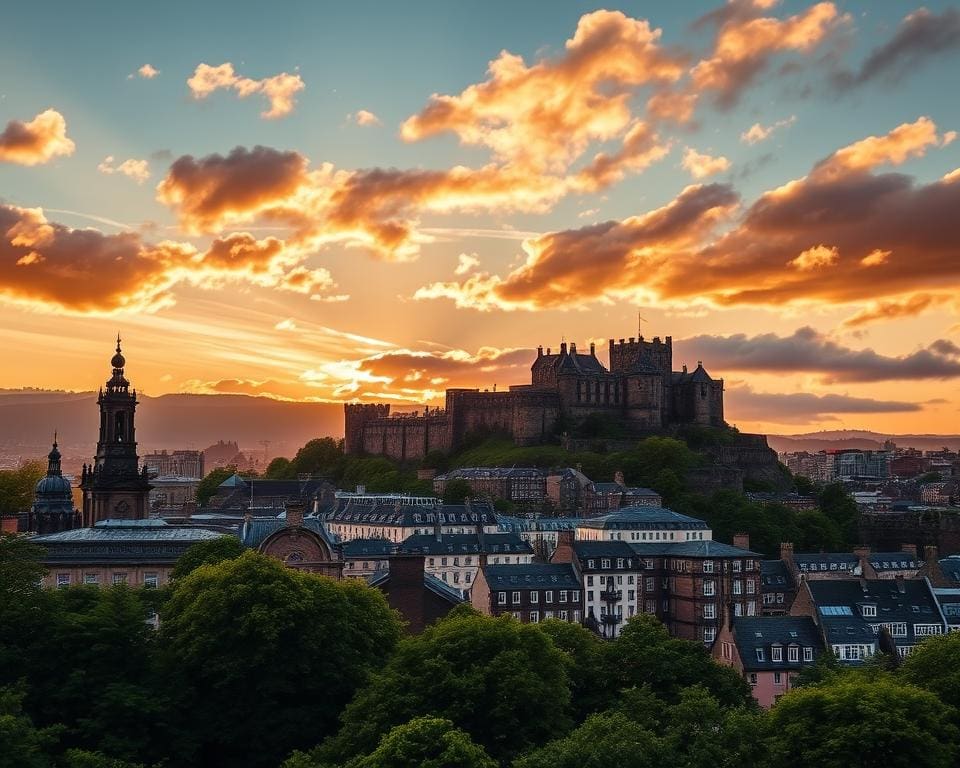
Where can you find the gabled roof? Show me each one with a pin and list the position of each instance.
(691, 549)
(508, 523)
(413, 515)
(356, 548)
(381, 579)
(753, 633)
(585, 549)
(531, 576)
(578, 363)
(893, 561)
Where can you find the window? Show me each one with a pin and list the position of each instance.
(793, 653)
(591, 564)
(650, 586)
(752, 608)
(443, 561)
(516, 598)
(548, 597)
(808, 654)
(562, 615)
(501, 598)
(708, 566)
(776, 653)
(534, 617)
(709, 589)
(119, 578)
(709, 634)
(575, 596)
(753, 678)
(620, 563)
(779, 597)
(751, 587)
(738, 609)
(605, 562)
(151, 579)
(91, 578)
(590, 579)
(761, 655)
(467, 577)
(736, 566)
(868, 610)
(737, 587)
(709, 611)
(777, 678)
(563, 595)
(923, 630)
(456, 577)
(63, 579)
(534, 597)
(548, 614)
(631, 595)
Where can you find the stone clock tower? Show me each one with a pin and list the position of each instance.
(114, 487)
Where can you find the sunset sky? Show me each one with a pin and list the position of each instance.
(376, 201)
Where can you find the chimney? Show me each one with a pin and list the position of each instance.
(564, 551)
(563, 347)
(786, 554)
(593, 349)
(573, 348)
(741, 540)
(863, 555)
(540, 351)
(901, 587)
(910, 549)
(407, 592)
(618, 478)
(294, 514)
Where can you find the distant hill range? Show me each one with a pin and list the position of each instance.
(29, 418)
(860, 439)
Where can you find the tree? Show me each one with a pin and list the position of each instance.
(837, 504)
(17, 487)
(259, 659)
(21, 744)
(605, 739)
(935, 666)
(322, 456)
(280, 469)
(207, 487)
(23, 617)
(852, 720)
(456, 491)
(503, 682)
(645, 654)
(78, 758)
(583, 650)
(208, 552)
(425, 742)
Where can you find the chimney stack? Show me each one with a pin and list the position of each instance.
(741, 540)
(294, 514)
(910, 549)
(618, 478)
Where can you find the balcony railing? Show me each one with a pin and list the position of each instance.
(611, 618)
(611, 595)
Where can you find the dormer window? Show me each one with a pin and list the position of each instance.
(868, 611)
(776, 653)
(761, 656)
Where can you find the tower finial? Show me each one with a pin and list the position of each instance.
(118, 341)
(54, 438)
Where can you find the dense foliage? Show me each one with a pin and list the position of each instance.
(17, 486)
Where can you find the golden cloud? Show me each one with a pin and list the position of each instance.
(37, 141)
(701, 165)
(279, 90)
(138, 170)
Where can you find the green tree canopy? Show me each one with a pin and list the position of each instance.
(425, 742)
(208, 552)
(935, 666)
(503, 682)
(280, 469)
(207, 487)
(854, 720)
(260, 659)
(17, 486)
(456, 490)
(22, 745)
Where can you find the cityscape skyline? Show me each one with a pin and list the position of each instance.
(264, 212)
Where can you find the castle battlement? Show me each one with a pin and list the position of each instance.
(639, 388)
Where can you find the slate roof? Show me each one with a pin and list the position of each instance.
(358, 548)
(412, 515)
(644, 518)
(465, 544)
(617, 488)
(839, 605)
(827, 561)
(492, 472)
(531, 576)
(508, 523)
(775, 576)
(691, 549)
(753, 633)
(439, 587)
(585, 549)
(578, 363)
(951, 568)
(128, 542)
(893, 561)
(255, 531)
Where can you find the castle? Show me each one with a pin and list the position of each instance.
(640, 390)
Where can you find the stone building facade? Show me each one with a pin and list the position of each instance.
(640, 390)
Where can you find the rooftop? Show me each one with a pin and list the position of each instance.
(644, 518)
(531, 576)
(759, 633)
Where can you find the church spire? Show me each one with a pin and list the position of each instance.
(53, 460)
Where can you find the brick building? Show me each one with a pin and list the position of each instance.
(531, 593)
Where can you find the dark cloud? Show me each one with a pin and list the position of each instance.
(920, 36)
(743, 404)
(807, 351)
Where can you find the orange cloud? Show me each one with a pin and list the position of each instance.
(702, 165)
(43, 263)
(279, 90)
(138, 170)
(544, 116)
(147, 72)
(757, 132)
(889, 310)
(365, 118)
(37, 141)
(746, 41)
(841, 235)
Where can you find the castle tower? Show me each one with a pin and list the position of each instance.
(115, 487)
(52, 509)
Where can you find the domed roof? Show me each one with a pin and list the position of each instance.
(117, 361)
(54, 485)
